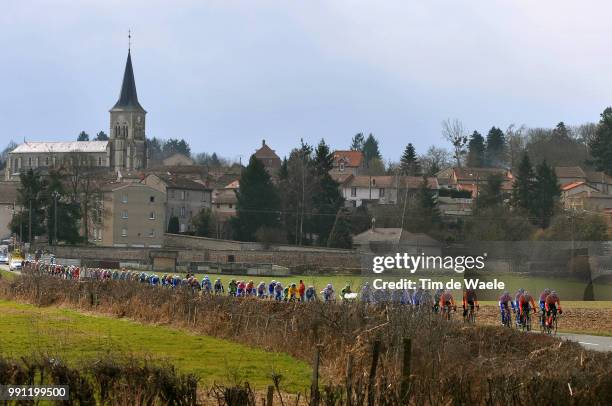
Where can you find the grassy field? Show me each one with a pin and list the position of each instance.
(568, 289)
(26, 329)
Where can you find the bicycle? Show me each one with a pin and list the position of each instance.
(525, 321)
(446, 311)
(551, 328)
(470, 317)
(506, 318)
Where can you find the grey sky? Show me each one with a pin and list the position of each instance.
(225, 74)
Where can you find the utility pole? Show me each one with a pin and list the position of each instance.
(30, 223)
(55, 196)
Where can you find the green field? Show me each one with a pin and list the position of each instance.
(26, 329)
(567, 288)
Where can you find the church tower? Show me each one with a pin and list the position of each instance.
(127, 126)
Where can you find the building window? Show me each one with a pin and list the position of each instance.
(37, 161)
(182, 195)
(29, 161)
(172, 211)
(218, 206)
(124, 232)
(124, 198)
(99, 161)
(230, 205)
(47, 161)
(353, 192)
(381, 192)
(172, 193)
(151, 199)
(182, 212)
(152, 215)
(341, 166)
(124, 214)
(152, 233)
(373, 182)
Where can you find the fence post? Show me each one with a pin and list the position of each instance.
(372, 377)
(314, 386)
(349, 380)
(270, 395)
(406, 370)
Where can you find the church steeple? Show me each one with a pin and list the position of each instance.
(128, 99)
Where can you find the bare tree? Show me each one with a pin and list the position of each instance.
(453, 132)
(515, 137)
(84, 182)
(435, 160)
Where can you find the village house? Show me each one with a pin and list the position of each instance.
(386, 189)
(472, 179)
(268, 158)
(129, 215)
(185, 198)
(347, 163)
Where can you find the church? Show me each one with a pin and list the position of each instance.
(125, 151)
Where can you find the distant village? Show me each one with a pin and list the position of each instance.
(141, 198)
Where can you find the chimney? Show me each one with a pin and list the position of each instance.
(263, 143)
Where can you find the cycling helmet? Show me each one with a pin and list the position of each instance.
(554, 292)
(547, 291)
(329, 286)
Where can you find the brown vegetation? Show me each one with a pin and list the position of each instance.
(448, 363)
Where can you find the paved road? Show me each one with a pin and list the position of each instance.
(597, 343)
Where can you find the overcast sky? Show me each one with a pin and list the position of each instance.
(226, 74)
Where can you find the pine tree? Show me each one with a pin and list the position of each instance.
(357, 142)
(425, 215)
(340, 236)
(495, 152)
(31, 197)
(409, 163)
(68, 212)
(258, 202)
(547, 193)
(370, 149)
(601, 144)
(83, 136)
(523, 188)
(490, 194)
(476, 151)
(327, 198)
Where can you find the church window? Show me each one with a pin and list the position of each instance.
(29, 161)
(47, 161)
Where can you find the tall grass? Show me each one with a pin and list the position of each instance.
(450, 363)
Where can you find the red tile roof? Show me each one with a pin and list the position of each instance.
(352, 159)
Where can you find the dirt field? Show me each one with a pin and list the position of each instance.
(584, 318)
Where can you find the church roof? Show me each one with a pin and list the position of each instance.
(128, 99)
(60, 146)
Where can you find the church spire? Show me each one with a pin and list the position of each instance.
(128, 99)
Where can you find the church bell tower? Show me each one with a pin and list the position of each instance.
(127, 126)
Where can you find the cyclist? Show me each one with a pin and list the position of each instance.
(301, 290)
(447, 303)
(206, 285)
(328, 293)
(469, 299)
(345, 291)
(271, 289)
(218, 287)
(504, 307)
(260, 291)
(417, 297)
(278, 292)
(311, 294)
(250, 289)
(552, 305)
(366, 293)
(526, 303)
(437, 297)
(543, 297)
(516, 307)
(241, 288)
(292, 293)
(233, 287)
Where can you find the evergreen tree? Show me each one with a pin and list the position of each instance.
(31, 197)
(409, 163)
(101, 136)
(68, 212)
(601, 143)
(357, 142)
(495, 152)
(523, 188)
(83, 136)
(340, 236)
(490, 194)
(476, 151)
(202, 223)
(258, 202)
(370, 149)
(425, 214)
(547, 193)
(173, 225)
